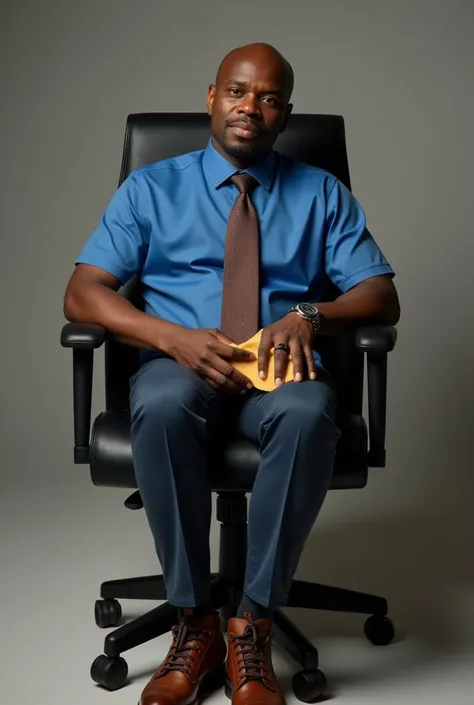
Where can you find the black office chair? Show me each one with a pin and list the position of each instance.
(318, 140)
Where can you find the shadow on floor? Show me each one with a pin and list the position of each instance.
(417, 563)
(420, 564)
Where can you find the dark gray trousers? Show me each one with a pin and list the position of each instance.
(175, 417)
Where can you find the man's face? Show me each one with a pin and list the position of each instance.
(249, 106)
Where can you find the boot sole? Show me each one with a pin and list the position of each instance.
(228, 687)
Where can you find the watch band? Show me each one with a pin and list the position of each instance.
(314, 318)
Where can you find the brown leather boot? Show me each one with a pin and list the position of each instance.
(250, 678)
(194, 664)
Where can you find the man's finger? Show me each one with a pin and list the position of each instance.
(310, 364)
(299, 360)
(226, 386)
(281, 362)
(242, 355)
(211, 382)
(223, 338)
(263, 355)
(230, 353)
(230, 373)
(221, 382)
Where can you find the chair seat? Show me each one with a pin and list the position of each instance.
(235, 467)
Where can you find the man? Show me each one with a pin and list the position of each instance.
(225, 241)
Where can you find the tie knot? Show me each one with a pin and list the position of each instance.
(244, 182)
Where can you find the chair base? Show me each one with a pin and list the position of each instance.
(160, 619)
(110, 670)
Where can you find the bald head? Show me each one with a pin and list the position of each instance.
(249, 102)
(260, 54)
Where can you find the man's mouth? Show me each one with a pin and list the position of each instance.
(244, 130)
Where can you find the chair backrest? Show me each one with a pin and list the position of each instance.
(318, 140)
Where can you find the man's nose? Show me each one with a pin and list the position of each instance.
(250, 105)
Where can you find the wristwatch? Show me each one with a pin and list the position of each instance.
(309, 313)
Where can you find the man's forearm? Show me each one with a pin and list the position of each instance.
(373, 300)
(96, 303)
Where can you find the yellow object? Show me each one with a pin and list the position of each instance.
(250, 369)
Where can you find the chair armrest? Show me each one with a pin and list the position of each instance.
(83, 338)
(376, 341)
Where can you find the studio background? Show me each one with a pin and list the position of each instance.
(401, 75)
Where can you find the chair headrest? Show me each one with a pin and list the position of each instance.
(318, 140)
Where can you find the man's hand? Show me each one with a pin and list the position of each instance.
(209, 354)
(296, 333)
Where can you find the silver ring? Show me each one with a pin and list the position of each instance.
(283, 346)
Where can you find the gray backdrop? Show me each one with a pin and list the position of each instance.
(401, 74)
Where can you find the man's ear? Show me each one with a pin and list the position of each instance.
(289, 108)
(210, 98)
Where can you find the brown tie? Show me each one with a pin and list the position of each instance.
(241, 291)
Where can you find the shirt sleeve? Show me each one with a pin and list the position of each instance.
(119, 244)
(352, 255)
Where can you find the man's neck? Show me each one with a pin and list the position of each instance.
(240, 164)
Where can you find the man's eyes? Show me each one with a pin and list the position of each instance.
(270, 100)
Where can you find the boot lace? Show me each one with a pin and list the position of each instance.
(180, 656)
(253, 655)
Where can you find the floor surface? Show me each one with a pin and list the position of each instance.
(57, 550)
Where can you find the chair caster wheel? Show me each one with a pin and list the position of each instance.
(109, 672)
(108, 613)
(309, 686)
(379, 630)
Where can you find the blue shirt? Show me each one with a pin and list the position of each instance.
(167, 222)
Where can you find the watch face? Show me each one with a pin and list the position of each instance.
(308, 310)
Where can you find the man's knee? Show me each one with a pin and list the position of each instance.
(165, 393)
(306, 408)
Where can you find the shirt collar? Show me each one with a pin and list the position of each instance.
(219, 169)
